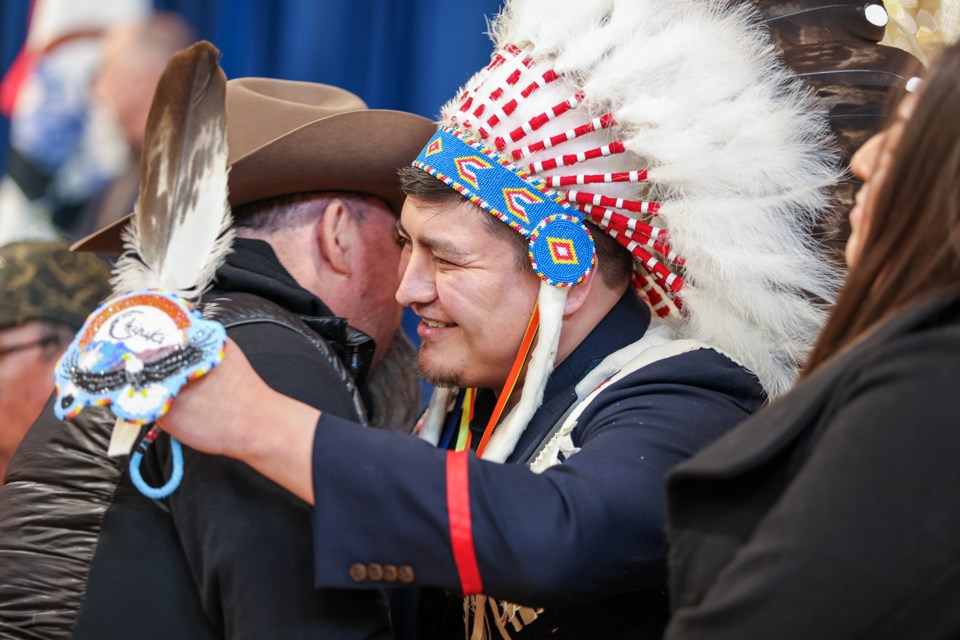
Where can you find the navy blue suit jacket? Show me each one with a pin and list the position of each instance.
(584, 539)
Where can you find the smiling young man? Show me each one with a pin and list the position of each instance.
(473, 303)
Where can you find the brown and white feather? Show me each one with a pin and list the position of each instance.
(181, 232)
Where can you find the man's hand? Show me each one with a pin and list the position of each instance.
(207, 414)
(230, 411)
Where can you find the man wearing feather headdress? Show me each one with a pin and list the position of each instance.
(614, 218)
(314, 212)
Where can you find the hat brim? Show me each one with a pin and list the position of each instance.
(358, 151)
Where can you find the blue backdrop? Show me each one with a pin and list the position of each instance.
(395, 54)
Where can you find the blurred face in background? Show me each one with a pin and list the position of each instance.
(132, 60)
(126, 81)
(123, 85)
(872, 164)
(28, 356)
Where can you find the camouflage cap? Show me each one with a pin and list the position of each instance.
(46, 281)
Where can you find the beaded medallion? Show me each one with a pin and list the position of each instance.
(133, 354)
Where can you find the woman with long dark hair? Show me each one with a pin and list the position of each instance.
(835, 512)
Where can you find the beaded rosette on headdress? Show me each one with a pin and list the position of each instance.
(672, 127)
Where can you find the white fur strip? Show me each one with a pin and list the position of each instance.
(552, 301)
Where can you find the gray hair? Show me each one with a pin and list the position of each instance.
(272, 215)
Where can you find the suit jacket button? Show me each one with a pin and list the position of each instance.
(375, 571)
(405, 574)
(358, 572)
(389, 573)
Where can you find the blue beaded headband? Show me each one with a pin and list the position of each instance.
(560, 246)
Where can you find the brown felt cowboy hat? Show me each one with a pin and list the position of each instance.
(289, 137)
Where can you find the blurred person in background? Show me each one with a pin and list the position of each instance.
(134, 55)
(64, 149)
(46, 293)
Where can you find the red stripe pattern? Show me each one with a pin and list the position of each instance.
(490, 105)
(461, 527)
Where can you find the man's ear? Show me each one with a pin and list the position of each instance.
(333, 236)
(578, 294)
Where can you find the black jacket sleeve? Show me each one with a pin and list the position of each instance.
(590, 527)
(862, 542)
(246, 540)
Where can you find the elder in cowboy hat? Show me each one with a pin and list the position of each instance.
(314, 190)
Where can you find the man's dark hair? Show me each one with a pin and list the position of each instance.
(615, 263)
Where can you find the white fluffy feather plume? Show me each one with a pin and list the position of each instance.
(738, 158)
(181, 232)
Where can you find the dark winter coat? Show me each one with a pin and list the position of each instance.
(84, 555)
(833, 513)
